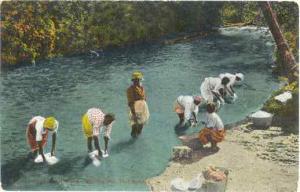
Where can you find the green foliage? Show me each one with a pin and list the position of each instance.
(41, 29)
(26, 34)
(287, 15)
(290, 109)
(250, 13)
(232, 12)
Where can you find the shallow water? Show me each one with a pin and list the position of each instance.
(67, 87)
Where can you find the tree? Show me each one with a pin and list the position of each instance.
(289, 63)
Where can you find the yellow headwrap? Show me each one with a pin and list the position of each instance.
(50, 123)
(137, 75)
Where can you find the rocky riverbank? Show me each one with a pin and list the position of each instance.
(257, 160)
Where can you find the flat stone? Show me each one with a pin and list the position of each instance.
(182, 152)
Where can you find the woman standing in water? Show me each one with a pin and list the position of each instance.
(136, 96)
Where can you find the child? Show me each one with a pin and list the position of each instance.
(214, 131)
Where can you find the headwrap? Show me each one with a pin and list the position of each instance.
(50, 123)
(197, 98)
(137, 75)
(240, 75)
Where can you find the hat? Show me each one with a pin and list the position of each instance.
(240, 75)
(50, 123)
(197, 98)
(137, 75)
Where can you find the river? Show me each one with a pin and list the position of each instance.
(66, 87)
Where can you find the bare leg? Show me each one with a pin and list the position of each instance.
(97, 146)
(89, 144)
(139, 129)
(214, 146)
(134, 130)
(181, 117)
(33, 154)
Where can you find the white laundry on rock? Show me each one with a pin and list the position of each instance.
(284, 97)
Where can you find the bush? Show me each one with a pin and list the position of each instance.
(286, 114)
(41, 29)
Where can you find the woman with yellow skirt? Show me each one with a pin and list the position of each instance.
(92, 123)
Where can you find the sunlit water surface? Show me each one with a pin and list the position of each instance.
(67, 87)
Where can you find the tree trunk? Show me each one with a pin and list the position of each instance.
(289, 63)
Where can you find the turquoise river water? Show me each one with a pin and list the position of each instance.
(66, 87)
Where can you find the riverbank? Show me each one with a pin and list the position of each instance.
(257, 160)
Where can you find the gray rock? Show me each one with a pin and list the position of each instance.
(182, 152)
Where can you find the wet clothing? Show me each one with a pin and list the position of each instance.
(141, 111)
(36, 132)
(186, 105)
(214, 129)
(210, 85)
(93, 122)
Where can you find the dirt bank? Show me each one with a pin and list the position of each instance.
(258, 160)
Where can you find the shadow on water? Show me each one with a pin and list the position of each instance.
(68, 165)
(13, 170)
(180, 130)
(118, 147)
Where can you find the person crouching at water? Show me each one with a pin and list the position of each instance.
(138, 108)
(187, 108)
(37, 134)
(92, 123)
(213, 131)
(234, 79)
(214, 88)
